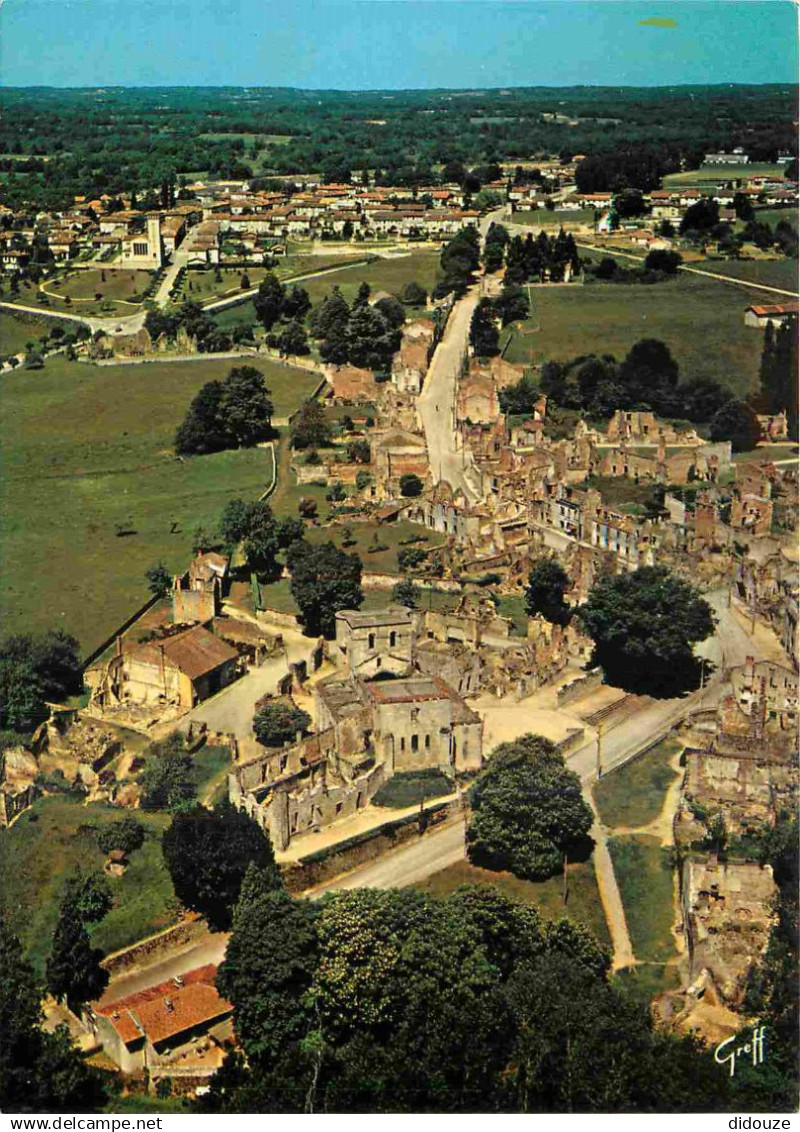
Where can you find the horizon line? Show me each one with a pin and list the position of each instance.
(469, 89)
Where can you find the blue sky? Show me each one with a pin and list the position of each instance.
(369, 44)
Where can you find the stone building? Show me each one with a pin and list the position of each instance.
(727, 919)
(366, 731)
(144, 249)
(371, 642)
(197, 596)
(178, 670)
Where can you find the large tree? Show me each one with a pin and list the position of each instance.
(232, 413)
(324, 581)
(310, 428)
(33, 670)
(207, 853)
(167, 781)
(279, 723)
(73, 969)
(483, 334)
(548, 581)
(246, 406)
(528, 810)
(39, 1072)
(644, 626)
(268, 969)
(269, 300)
(737, 422)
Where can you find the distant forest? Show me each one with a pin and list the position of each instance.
(57, 143)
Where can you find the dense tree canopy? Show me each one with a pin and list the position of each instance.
(548, 581)
(233, 413)
(644, 626)
(324, 580)
(39, 1072)
(167, 781)
(207, 853)
(279, 723)
(397, 1001)
(33, 670)
(528, 810)
(736, 421)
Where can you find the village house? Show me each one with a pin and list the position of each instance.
(369, 643)
(178, 1025)
(777, 314)
(178, 671)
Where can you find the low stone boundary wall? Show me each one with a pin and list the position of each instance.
(326, 864)
(572, 741)
(277, 617)
(179, 935)
(579, 687)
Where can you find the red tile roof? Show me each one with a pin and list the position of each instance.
(167, 1010)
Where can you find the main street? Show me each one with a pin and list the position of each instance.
(448, 460)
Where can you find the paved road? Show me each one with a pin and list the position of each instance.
(210, 948)
(437, 403)
(411, 863)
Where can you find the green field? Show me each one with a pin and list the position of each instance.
(773, 215)
(646, 890)
(780, 273)
(702, 322)
(198, 285)
(59, 834)
(86, 448)
(18, 329)
(634, 794)
(382, 275)
(122, 291)
(718, 174)
(583, 900)
(205, 286)
(412, 787)
(389, 536)
(560, 218)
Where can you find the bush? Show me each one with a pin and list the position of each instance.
(126, 834)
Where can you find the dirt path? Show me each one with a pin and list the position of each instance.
(609, 894)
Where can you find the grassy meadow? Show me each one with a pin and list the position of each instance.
(634, 794)
(645, 886)
(58, 835)
(701, 320)
(17, 329)
(93, 494)
(121, 291)
(583, 899)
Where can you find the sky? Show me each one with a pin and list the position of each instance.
(396, 44)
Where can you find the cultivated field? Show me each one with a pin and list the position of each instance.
(781, 273)
(560, 218)
(93, 494)
(702, 322)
